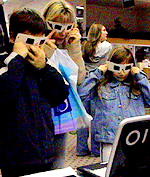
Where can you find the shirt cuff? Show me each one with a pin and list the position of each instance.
(139, 76)
(10, 57)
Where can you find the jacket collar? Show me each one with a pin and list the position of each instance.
(115, 83)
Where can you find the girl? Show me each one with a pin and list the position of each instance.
(96, 48)
(116, 90)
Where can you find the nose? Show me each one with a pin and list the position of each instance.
(122, 72)
(64, 32)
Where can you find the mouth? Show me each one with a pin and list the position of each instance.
(121, 77)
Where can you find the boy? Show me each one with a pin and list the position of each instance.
(29, 88)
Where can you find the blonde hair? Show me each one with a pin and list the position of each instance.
(60, 10)
(93, 37)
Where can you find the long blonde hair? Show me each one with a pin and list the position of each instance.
(61, 10)
(93, 37)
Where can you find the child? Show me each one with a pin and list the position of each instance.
(116, 90)
(29, 88)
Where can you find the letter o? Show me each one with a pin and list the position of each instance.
(66, 106)
(134, 142)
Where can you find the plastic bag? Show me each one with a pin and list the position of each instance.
(70, 115)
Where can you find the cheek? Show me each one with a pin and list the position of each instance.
(115, 74)
(127, 73)
(55, 35)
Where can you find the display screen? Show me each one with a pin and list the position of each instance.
(132, 157)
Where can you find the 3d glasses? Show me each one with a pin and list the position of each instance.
(118, 67)
(29, 39)
(60, 26)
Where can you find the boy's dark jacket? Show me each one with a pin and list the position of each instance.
(26, 97)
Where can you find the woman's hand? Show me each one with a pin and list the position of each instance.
(73, 36)
(49, 47)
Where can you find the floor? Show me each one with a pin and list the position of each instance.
(71, 158)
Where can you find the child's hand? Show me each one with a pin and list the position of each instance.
(36, 56)
(134, 70)
(20, 48)
(103, 68)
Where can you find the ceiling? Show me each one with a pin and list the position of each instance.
(39, 5)
(119, 3)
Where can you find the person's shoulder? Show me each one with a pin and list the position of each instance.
(106, 43)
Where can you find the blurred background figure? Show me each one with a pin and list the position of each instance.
(96, 48)
(3, 32)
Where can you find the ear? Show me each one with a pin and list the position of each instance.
(11, 38)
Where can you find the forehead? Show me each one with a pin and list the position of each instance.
(36, 35)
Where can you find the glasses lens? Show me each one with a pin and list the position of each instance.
(29, 41)
(58, 27)
(50, 25)
(128, 67)
(69, 27)
(117, 68)
(42, 42)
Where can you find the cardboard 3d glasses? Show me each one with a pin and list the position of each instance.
(118, 67)
(59, 26)
(30, 39)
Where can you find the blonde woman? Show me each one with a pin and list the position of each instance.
(96, 48)
(61, 21)
(63, 34)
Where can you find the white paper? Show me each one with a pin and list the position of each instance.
(100, 172)
(53, 173)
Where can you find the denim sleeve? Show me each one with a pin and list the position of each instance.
(92, 78)
(144, 85)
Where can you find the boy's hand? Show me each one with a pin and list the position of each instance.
(103, 68)
(20, 48)
(36, 56)
(135, 70)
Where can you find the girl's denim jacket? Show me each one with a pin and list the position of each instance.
(114, 104)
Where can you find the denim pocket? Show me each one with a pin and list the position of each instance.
(132, 96)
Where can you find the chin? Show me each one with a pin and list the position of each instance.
(121, 78)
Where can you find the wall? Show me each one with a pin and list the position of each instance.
(143, 22)
(39, 6)
(132, 19)
(80, 3)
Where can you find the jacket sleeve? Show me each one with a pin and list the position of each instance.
(14, 70)
(92, 78)
(11, 75)
(144, 85)
(52, 85)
